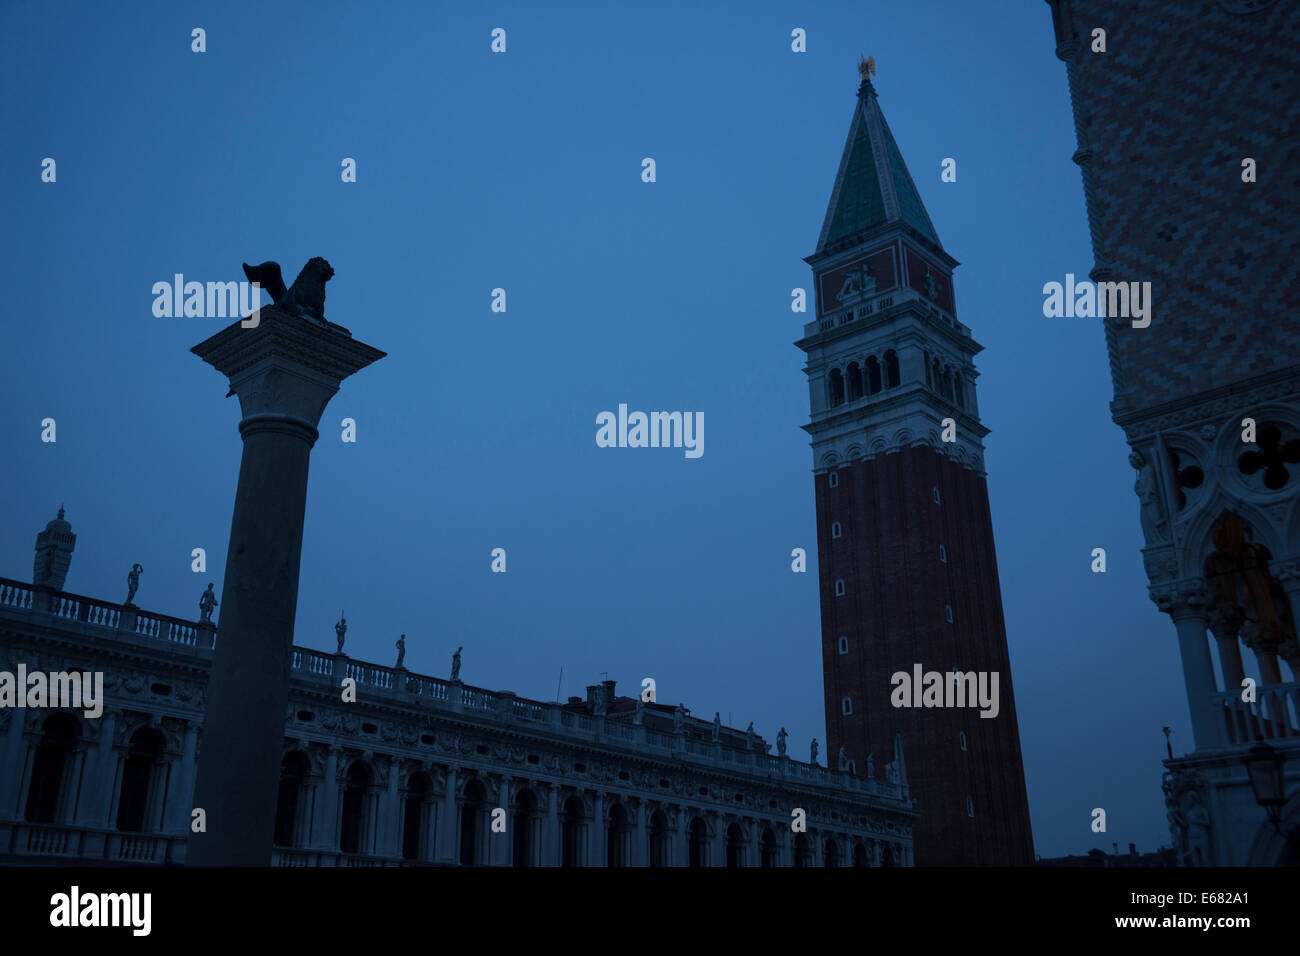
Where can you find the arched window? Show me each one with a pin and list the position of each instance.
(839, 587)
(854, 382)
(836, 530)
(522, 831)
(837, 387)
(860, 855)
(945, 383)
(294, 770)
(59, 735)
(769, 847)
(735, 846)
(943, 554)
(957, 390)
(471, 807)
(844, 645)
(961, 739)
(846, 706)
(571, 833)
(699, 842)
(970, 807)
(936, 375)
(137, 799)
(887, 856)
(415, 811)
(947, 612)
(618, 838)
(352, 837)
(832, 853)
(658, 838)
(929, 375)
(853, 767)
(891, 369)
(936, 496)
(833, 479)
(873, 375)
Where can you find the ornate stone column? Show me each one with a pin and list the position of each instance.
(551, 852)
(682, 839)
(323, 833)
(446, 846)
(14, 757)
(390, 813)
(1287, 574)
(640, 849)
(284, 370)
(502, 844)
(598, 852)
(1185, 602)
(1225, 625)
(181, 792)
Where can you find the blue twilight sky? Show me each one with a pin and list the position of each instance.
(522, 171)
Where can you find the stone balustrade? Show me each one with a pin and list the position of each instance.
(405, 687)
(1273, 715)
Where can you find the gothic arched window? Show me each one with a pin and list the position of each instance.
(836, 529)
(891, 369)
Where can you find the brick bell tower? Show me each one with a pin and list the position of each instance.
(904, 537)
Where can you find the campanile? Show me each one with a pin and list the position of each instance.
(908, 569)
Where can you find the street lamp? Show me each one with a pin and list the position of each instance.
(1264, 768)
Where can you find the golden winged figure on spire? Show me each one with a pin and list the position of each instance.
(867, 66)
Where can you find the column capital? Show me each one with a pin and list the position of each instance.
(1184, 599)
(286, 368)
(1225, 621)
(1286, 572)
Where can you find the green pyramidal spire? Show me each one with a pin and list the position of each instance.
(873, 185)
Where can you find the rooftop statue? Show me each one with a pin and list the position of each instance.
(307, 294)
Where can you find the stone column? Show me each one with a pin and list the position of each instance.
(718, 845)
(284, 370)
(1185, 602)
(390, 813)
(1225, 624)
(446, 847)
(597, 846)
(181, 793)
(640, 847)
(551, 852)
(323, 835)
(92, 809)
(682, 838)
(15, 752)
(1287, 574)
(503, 844)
